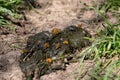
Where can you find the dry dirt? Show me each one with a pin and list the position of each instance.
(54, 13)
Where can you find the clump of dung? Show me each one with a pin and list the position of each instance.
(50, 51)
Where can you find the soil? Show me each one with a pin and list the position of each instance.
(52, 14)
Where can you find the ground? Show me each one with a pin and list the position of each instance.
(53, 14)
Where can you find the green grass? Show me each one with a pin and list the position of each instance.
(107, 43)
(107, 46)
(108, 70)
(10, 12)
(9, 8)
(105, 49)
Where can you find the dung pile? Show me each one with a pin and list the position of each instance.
(47, 52)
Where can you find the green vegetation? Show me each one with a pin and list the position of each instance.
(112, 6)
(105, 49)
(9, 13)
(8, 8)
(105, 46)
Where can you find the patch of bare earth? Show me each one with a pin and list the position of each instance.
(54, 13)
